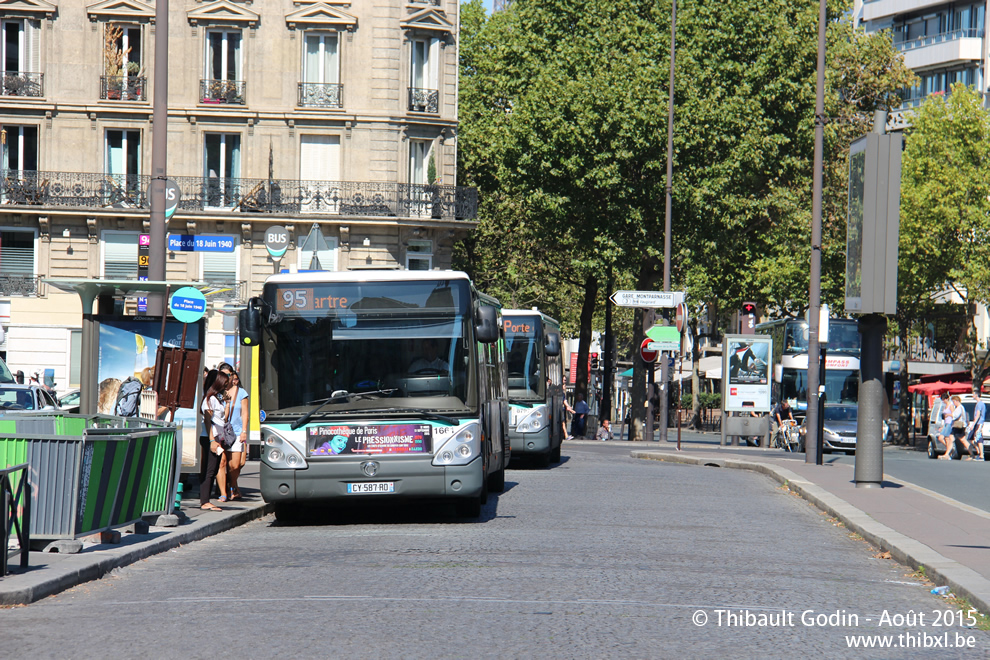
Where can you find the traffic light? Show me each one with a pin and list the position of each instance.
(594, 361)
(749, 308)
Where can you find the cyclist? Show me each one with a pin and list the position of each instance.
(782, 412)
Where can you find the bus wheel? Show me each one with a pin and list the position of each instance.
(469, 508)
(287, 513)
(496, 482)
(555, 455)
(543, 460)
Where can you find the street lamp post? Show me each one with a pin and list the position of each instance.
(664, 362)
(812, 441)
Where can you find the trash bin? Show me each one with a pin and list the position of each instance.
(102, 475)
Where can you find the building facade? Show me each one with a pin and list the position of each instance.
(336, 120)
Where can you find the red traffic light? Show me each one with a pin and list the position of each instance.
(749, 308)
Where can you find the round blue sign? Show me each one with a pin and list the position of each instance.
(187, 305)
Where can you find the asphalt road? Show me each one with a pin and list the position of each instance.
(600, 556)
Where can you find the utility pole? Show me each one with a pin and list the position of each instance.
(608, 365)
(664, 361)
(159, 158)
(813, 439)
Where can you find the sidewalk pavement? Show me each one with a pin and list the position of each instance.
(920, 528)
(49, 572)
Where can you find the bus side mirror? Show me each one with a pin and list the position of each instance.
(552, 344)
(486, 325)
(250, 322)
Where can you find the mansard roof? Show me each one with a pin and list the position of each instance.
(222, 11)
(321, 15)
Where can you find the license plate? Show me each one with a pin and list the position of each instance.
(372, 487)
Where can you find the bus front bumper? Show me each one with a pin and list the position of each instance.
(537, 442)
(409, 478)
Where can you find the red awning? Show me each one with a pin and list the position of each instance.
(936, 388)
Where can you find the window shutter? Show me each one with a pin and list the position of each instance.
(220, 266)
(32, 46)
(120, 255)
(17, 253)
(433, 61)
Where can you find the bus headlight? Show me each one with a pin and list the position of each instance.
(461, 448)
(532, 421)
(280, 454)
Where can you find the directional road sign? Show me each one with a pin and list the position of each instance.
(664, 338)
(647, 298)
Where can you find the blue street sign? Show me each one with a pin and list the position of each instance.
(189, 243)
(188, 305)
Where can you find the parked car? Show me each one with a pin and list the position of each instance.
(26, 397)
(70, 402)
(840, 428)
(935, 447)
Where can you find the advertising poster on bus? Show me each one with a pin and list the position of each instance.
(746, 370)
(370, 439)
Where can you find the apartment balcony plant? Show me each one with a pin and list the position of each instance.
(222, 91)
(18, 83)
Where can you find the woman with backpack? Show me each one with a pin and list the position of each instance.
(216, 411)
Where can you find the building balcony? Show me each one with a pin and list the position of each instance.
(226, 290)
(123, 88)
(942, 49)
(424, 100)
(243, 196)
(222, 91)
(20, 285)
(23, 84)
(321, 95)
(877, 9)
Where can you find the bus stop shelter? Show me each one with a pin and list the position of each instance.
(89, 291)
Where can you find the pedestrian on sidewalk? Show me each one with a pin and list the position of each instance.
(214, 411)
(580, 416)
(237, 454)
(975, 432)
(945, 430)
(604, 431)
(568, 413)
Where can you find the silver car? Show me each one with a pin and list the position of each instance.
(840, 428)
(15, 397)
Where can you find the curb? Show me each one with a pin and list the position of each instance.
(103, 565)
(962, 580)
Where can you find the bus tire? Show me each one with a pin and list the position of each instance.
(496, 482)
(287, 513)
(469, 508)
(555, 454)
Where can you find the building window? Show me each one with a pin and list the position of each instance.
(20, 57)
(20, 148)
(321, 71)
(123, 165)
(120, 255)
(17, 253)
(223, 82)
(220, 267)
(222, 158)
(316, 252)
(122, 53)
(424, 95)
(319, 163)
(419, 255)
(420, 153)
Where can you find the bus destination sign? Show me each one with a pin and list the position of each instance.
(369, 439)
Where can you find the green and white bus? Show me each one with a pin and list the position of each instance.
(379, 384)
(536, 384)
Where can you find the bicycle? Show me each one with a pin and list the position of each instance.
(787, 436)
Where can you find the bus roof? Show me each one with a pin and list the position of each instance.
(367, 276)
(547, 320)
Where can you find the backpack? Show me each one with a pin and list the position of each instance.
(129, 398)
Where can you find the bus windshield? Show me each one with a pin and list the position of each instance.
(524, 353)
(843, 337)
(841, 386)
(362, 346)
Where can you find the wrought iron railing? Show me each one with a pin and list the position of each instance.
(225, 290)
(321, 95)
(435, 3)
(15, 513)
(222, 91)
(20, 285)
(954, 35)
(16, 83)
(424, 100)
(123, 88)
(282, 196)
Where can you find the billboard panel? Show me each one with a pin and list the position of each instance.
(746, 373)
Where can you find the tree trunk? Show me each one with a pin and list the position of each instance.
(584, 341)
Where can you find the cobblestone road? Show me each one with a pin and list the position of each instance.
(601, 556)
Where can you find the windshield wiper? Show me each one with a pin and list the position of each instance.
(337, 396)
(418, 412)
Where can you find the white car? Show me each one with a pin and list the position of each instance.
(935, 446)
